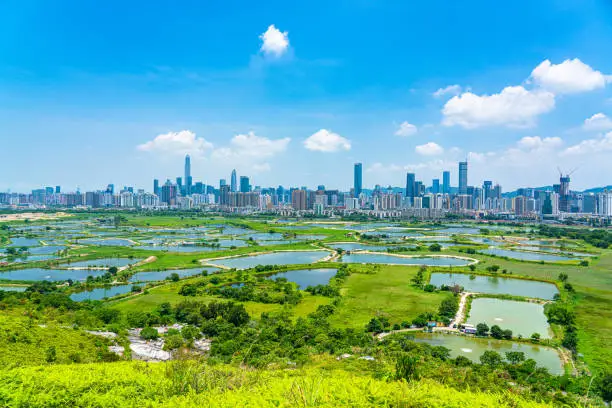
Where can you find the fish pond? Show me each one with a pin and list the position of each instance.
(525, 256)
(275, 258)
(307, 277)
(523, 318)
(472, 348)
(496, 285)
(101, 293)
(362, 258)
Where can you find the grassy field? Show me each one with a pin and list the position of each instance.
(388, 292)
(169, 293)
(186, 384)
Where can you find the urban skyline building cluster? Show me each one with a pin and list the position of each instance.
(416, 199)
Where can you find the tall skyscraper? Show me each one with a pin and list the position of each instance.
(487, 186)
(564, 193)
(446, 182)
(358, 179)
(188, 179)
(463, 177)
(410, 182)
(222, 183)
(435, 186)
(156, 190)
(234, 182)
(245, 186)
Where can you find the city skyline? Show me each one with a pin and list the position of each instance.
(287, 103)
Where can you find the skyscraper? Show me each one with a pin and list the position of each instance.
(410, 181)
(435, 186)
(463, 177)
(156, 190)
(358, 179)
(487, 186)
(245, 186)
(188, 179)
(234, 182)
(446, 182)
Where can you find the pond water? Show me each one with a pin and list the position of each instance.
(101, 293)
(178, 248)
(13, 288)
(551, 250)
(40, 274)
(525, 256)
(28, 258)
(23, 242)
(153, 276)
(107, 242)
(496, 285)
(473, 348)
(46, 250)
(522, 318)
(307, 277)
(487, 241)
(276, 258)
(390, 259)
(355, 246)
(105, 262)
(264, 236)
(233, 230)
(457, 230)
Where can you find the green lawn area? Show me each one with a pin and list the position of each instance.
(169, 293)
(389, 292)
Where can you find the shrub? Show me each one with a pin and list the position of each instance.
(149, 333)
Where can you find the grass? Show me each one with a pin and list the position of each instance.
(388, 292)
(187, 384)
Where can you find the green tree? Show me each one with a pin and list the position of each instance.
(149, 333)
(496, 332)
(515, 357)
(491, 358)
(482, 329)
(51, 354)
(406, 367)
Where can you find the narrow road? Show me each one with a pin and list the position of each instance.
(461, 311)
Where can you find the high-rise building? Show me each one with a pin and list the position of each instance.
(446, 182)
(234, 182)
(463, 177)
(358, 179)
(435, 186)
(188, 179)
(58, 189)
(487, 186)
(245, 186)
(169, 193)
(222, 183)
(156, 190)
(298, 200)
(564, 193)
(410, 181)
(179, 185)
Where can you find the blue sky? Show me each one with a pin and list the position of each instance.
(294, 93)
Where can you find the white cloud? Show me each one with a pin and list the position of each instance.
(590, 146)
(598, 122)
(514, 106)
(570, 76)
(252, 146)
(406, 129)
(274, 41)
(449, 90)
(262, 167)
(327, 141)
(180, 143)
(536, 142)
(429, 149)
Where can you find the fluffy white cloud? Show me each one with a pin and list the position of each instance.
(429, 149)
(449, 90)
(406, 129)
(514, 106)
(327, 141)
(274, 41)
(262, 167)
(252, 146)
(183, 142)
(598, 122)
(570, 76)
(536, 142)
(590, 146)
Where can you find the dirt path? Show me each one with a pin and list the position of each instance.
(461, 311)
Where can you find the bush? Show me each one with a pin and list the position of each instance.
(149, 333)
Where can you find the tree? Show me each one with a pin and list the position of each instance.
(535, 337)
(113, 270)
(507, 334)
(496, 332)
(491, 358)
(435, 247)
(482, 329)
(51, 354)
(515, 357)
(406, 367)
(563, 277)
(174, 277)
(448, 307)
(149, 333)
